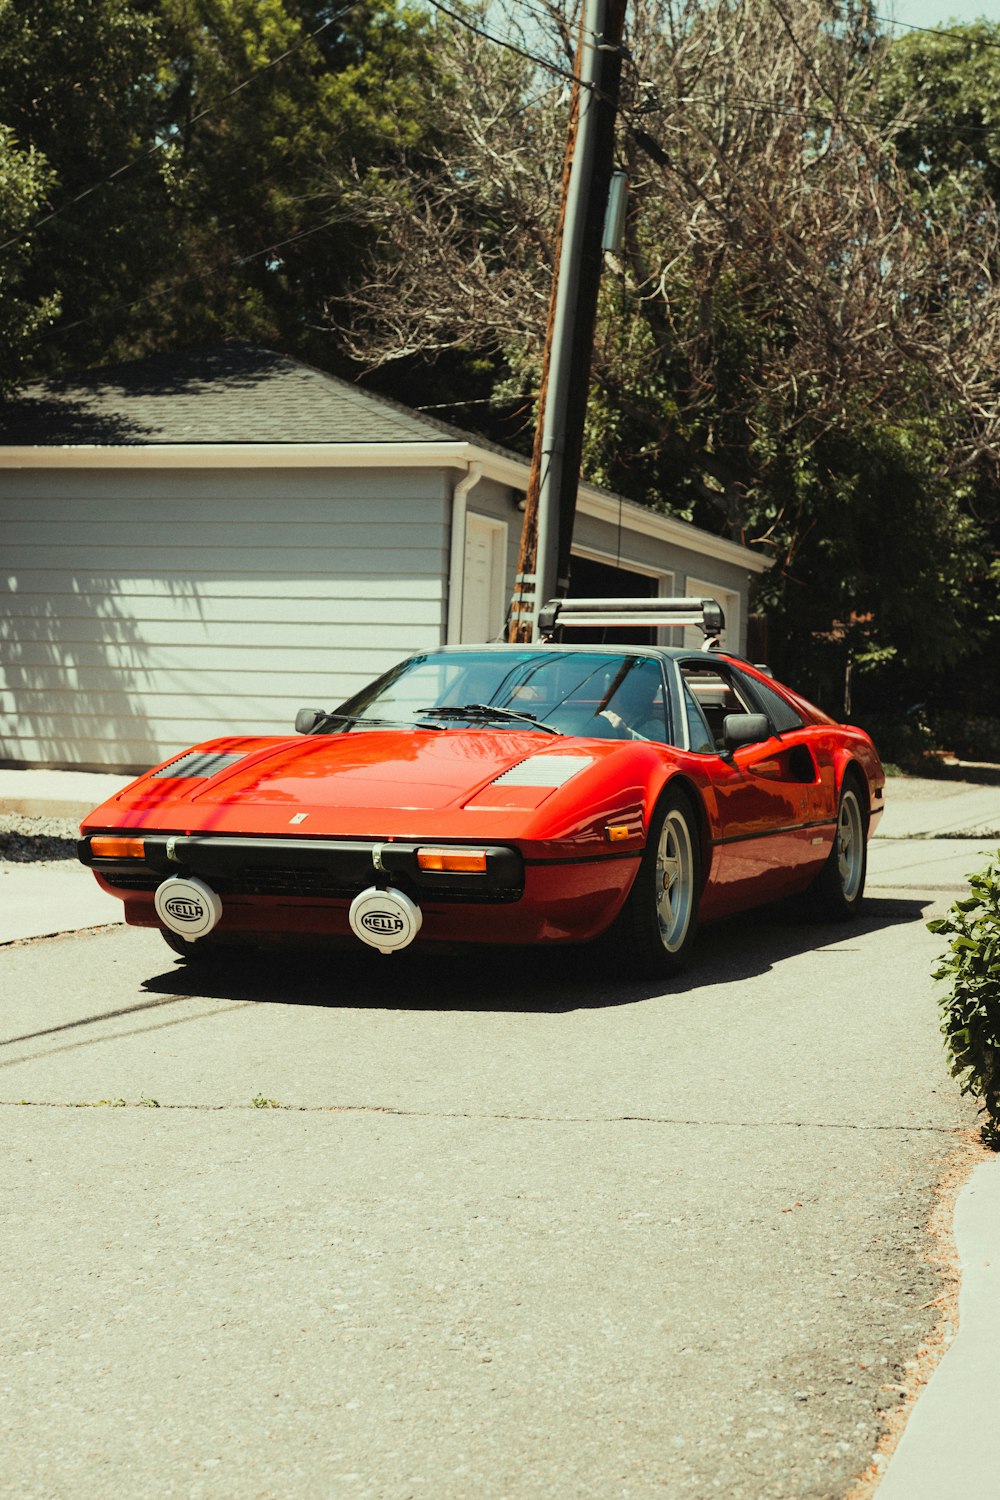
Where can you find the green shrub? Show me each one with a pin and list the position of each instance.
(971, 1009)
(902, 739)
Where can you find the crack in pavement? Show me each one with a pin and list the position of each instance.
(446, 1114)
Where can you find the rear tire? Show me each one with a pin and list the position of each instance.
(655, 929)
(838, 889)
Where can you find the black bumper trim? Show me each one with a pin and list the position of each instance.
(319, 868)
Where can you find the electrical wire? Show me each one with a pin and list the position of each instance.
(935, 30)
(464, 21)
(175, 286)
(748, 102)
(509, 46)
(244, 258)
(764, 106)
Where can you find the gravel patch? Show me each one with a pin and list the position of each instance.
(25, 840)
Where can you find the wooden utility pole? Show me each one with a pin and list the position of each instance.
(543, 563)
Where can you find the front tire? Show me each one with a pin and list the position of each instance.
(200, 953)
(840, 885)
(654, 932)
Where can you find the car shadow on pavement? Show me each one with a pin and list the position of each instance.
(553, 980)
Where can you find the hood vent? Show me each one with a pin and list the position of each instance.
(198, 767)
(543, 770)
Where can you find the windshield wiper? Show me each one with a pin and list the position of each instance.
(487, 711)
(328, 718)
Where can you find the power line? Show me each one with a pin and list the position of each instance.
(464, 21)
(765, 106)
(930, 30)
(748, 102)
(175, 286)
(499, 41)
(243, 258)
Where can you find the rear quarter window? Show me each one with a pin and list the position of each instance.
(782, 715)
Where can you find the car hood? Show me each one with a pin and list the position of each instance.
(341, 783)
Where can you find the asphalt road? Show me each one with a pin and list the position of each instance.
(496, 1228)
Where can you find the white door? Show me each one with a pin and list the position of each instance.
(485, 575)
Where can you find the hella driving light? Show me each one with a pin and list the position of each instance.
(385, 919)
(187, 906)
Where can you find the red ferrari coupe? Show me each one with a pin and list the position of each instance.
(545, 793)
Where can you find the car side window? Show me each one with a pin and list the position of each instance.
(699, 734)
(710, 694)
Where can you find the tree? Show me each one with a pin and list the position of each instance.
(786, 322)
(943, 86)
(78, 91)
(24, 179)
(198, 151)
(255, 181)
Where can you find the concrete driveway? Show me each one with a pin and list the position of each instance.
(389, 1228)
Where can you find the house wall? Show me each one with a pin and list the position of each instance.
(678, 570)
(144, 610)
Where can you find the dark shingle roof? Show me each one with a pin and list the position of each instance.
(232, 394)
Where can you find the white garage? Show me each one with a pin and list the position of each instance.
(195, 545)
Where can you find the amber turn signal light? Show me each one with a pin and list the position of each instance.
(454, 861)
(111, 846)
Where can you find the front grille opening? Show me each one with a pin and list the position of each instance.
(310, 884)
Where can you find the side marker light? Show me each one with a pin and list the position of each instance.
(617, 831)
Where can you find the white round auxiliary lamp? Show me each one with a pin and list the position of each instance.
(387, 920)
(187, 906)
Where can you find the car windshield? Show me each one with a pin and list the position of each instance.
(592, 693)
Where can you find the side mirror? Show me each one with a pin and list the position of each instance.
(307, 718)
(745, 729)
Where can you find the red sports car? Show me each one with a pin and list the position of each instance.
(545, 793)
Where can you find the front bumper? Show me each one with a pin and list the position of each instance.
(292, 888)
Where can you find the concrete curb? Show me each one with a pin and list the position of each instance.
(57, 794)
(951, 1443)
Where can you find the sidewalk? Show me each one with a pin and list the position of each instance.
(57, 794)
(48, 897)
(933, 834)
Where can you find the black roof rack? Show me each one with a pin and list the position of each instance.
(588, 614)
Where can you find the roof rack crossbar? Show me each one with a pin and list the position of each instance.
(579, 614)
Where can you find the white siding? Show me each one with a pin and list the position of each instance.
(143, 611)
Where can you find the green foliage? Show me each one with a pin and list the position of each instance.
(971, 1008)
(78, 91)
(968, 735)
(879, 558)
(24, 180)
(196, 153)
(945, 86)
